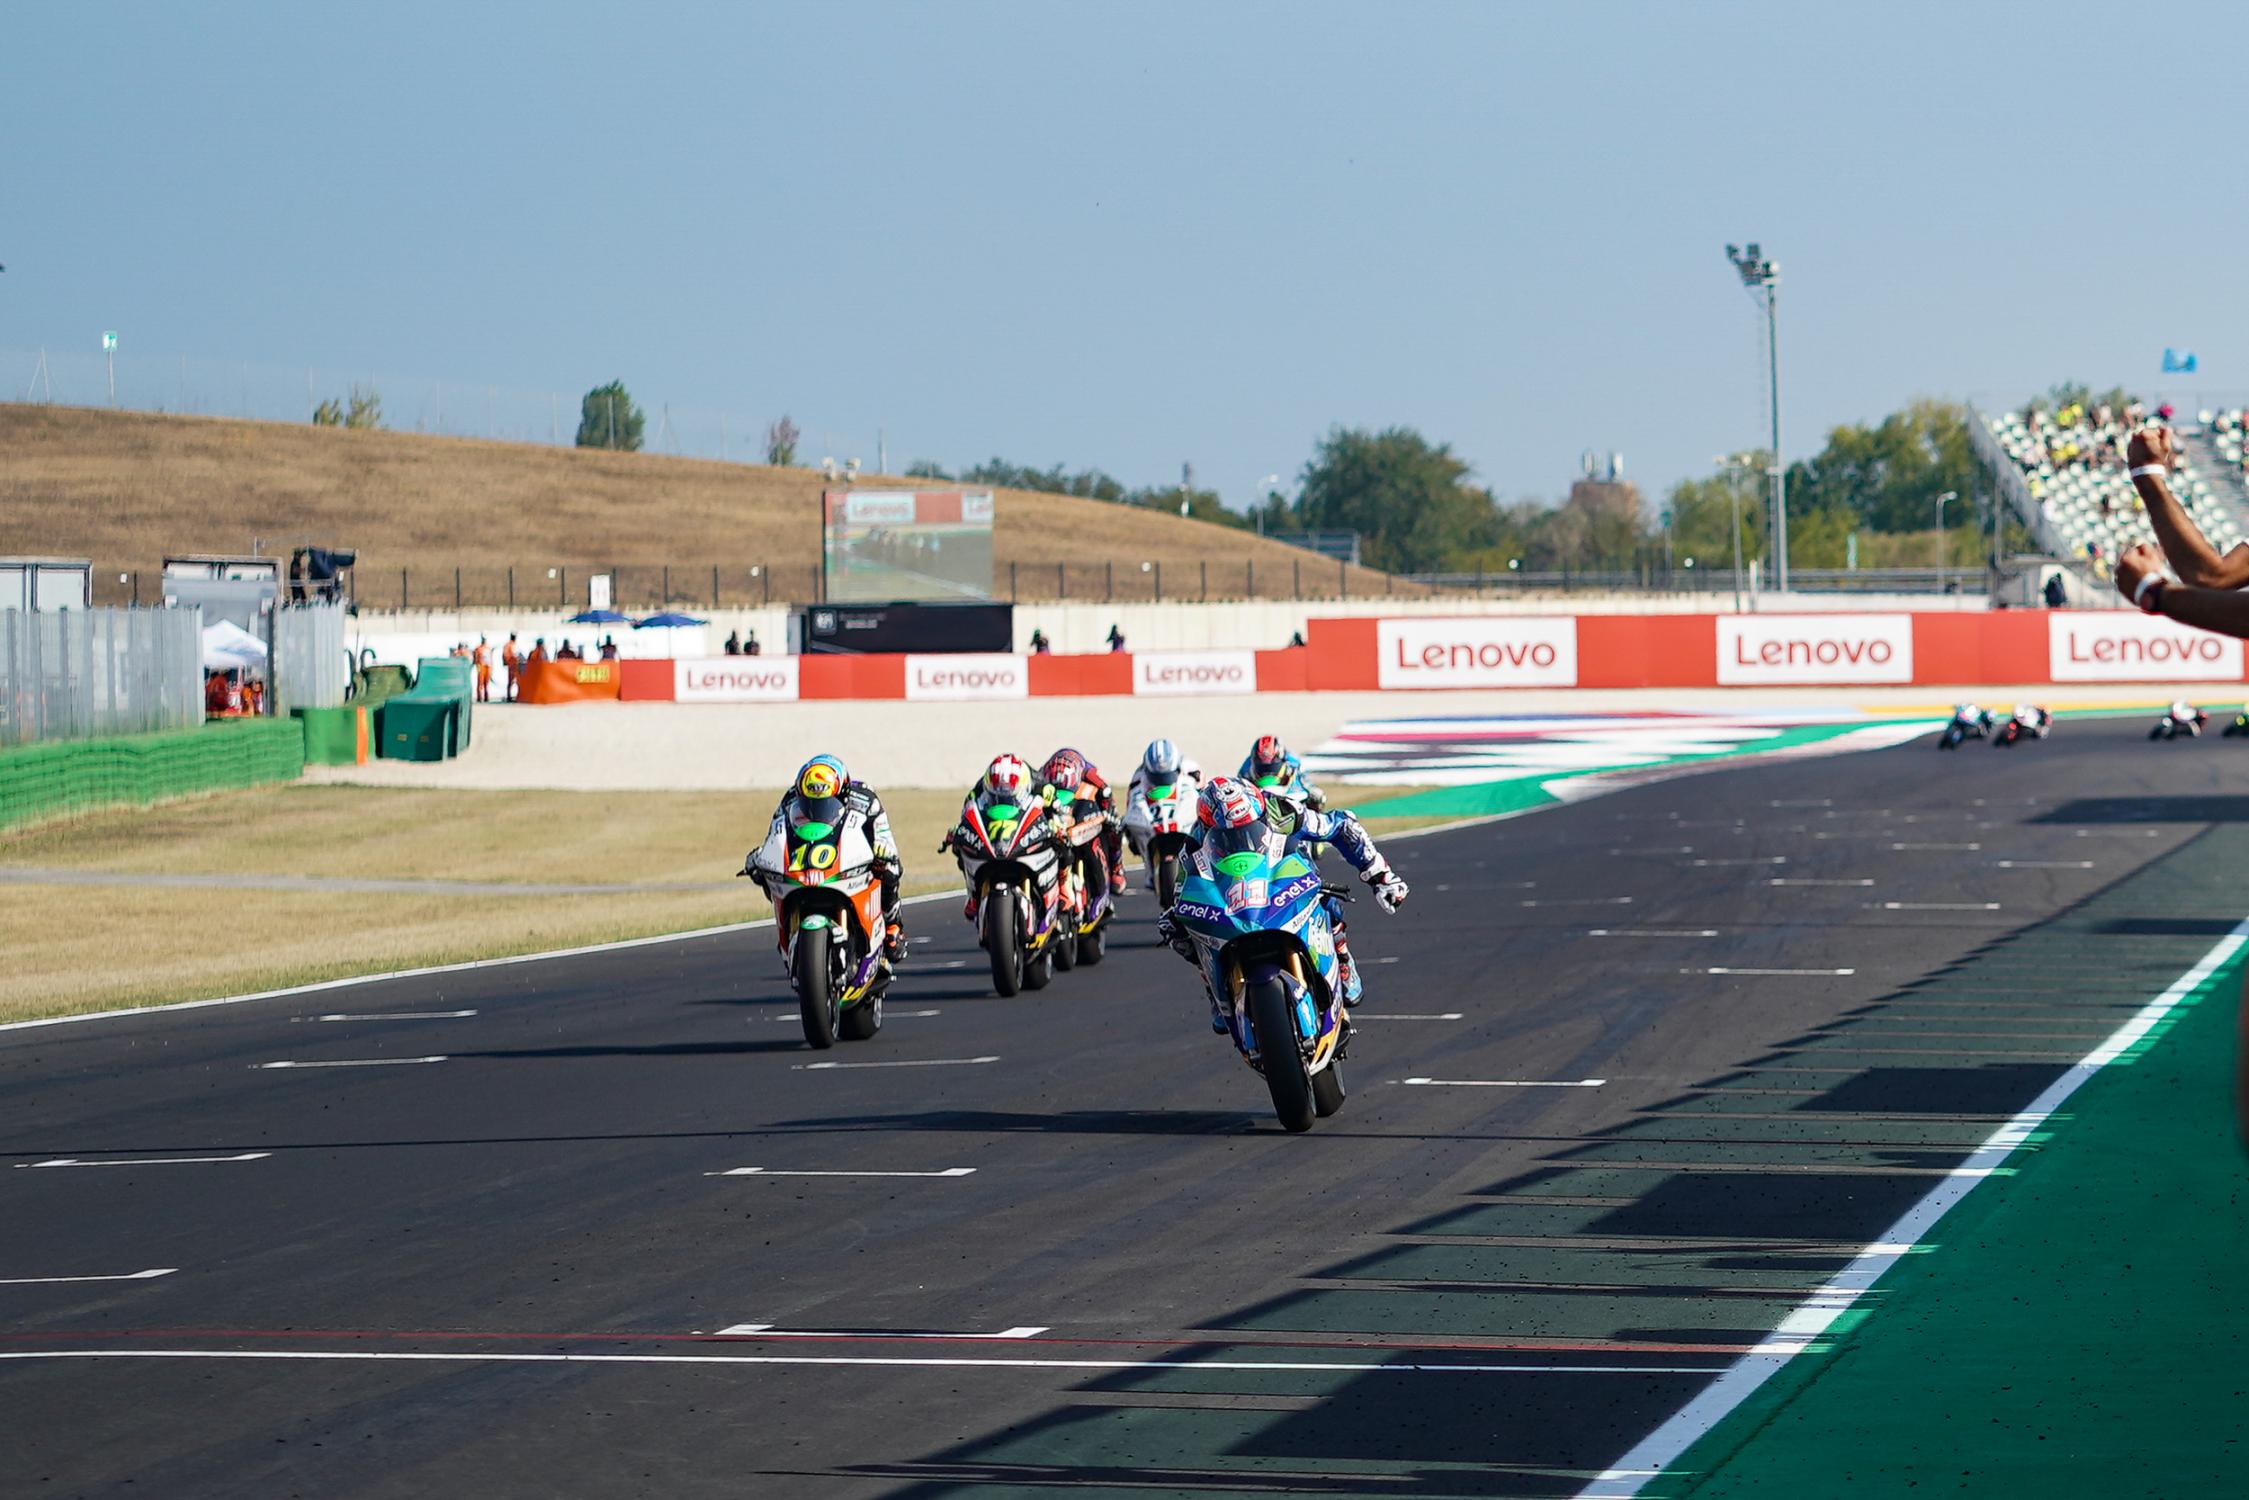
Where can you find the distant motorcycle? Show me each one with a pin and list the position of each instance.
(1013, 864)
(2181, 721)
(1087, 897)
(2028, 722)
(1156, 825)
(1968, 723)
(2240, 724)
(817, 867)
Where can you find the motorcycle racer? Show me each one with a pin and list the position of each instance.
(1232, 802)
(2034, 720)
(1008, 778)
(1067, 775)
(1271, 764)
(1161, 768)
(824, 776)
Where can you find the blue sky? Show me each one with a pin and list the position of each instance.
(1130, 236)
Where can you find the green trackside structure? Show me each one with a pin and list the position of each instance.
(61, 777)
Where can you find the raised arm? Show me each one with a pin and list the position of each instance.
(2151, 453)
(2139, 578)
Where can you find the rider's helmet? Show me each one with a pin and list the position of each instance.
(821, 777)
(1007, 777)
(2026, 713)
(1230, 802)
(1064, 770)
(1268, 761)
(1965, 710)
(1160, 762)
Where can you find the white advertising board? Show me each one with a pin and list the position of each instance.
(1774, 650)
(1500, 651)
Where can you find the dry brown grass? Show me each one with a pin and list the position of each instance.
(128, 488)
(75, 947)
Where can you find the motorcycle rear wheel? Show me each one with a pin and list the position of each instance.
(1274, 1021)
(999, 937)
(816, 1005)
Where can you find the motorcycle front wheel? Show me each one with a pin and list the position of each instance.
(999, 937)
(1167, 881)
(1274, 1021)
(815, 1001)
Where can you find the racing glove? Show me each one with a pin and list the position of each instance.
(1174, 937)
(1389, 891)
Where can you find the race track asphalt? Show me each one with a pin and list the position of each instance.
(505, 1272)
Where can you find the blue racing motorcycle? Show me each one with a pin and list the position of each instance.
(1260, 919)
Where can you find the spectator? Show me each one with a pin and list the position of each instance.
(2057, 595)
(734, 643)
(566, 651)
(1296, 638)
(482, 656)
(608, 648)
(253, 697)
(1040, 645)
(750, 647)
(218, 695)
(511, 658)
(538, 653)
(1116, 639)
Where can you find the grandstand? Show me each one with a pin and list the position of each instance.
(2068, 480)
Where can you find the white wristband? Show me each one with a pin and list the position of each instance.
(2146, 469)
(2153, 580)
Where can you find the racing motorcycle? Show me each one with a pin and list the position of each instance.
(1968, 723)
(1156, 825)
(1258, 916)
(817, 868)
(1012, 863)
(2025, 723)
(1086, 897)
(2181, 721)
(2240, 724)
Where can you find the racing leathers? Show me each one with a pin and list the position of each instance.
(860, 801)
(1311, 825)
(1090, 781)
(1189, 774)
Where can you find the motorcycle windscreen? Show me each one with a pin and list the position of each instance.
(1007, 820)
(814, 832)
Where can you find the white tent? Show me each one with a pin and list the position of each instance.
(227, 647)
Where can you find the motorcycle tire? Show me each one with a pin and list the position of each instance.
(862, 1019)
(1327, 1090)
(1064, 948)
(1038, 971)
(1005, 947)
(816, 1004)
(1094, 946)
(1167, 881)
(2156, 733)
(1273, 1020)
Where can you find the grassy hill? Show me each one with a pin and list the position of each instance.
(128, 488)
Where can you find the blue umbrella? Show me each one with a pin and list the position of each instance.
(670, 619)
(599, 617)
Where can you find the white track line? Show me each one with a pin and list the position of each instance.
(52, 1280)
(1940, 906)
(916, 1062)
(354, 1062)
(394, 1015)
(1774, 859)
(1653, 932)
(1448, 1015)
(767, 1330)
(783, 1172)
(1791, 972)
(1581, 901)
(1818, 882)
(145, 1161)
(1505, 1083)
(1367, 1367)
(1936, 846)
(2044, 864)
(1818, 1312)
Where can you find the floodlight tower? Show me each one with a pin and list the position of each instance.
(1760, 274)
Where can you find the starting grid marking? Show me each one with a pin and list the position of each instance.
(146, 1161)
(148, 1275)
(786, 1172)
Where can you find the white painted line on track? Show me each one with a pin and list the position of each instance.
(1393, 958)
(1790, 972)
(859, 1361)
(2044, 864)
(1505, 1083)
(767, 1330)
(52, 1280)
(1772, 859)
(1818, 1312)
(914, 1062)
(784, 1172)
(1936, 846)
(394, 1015)
(1653, 932)
(1581, 901)
(1790, 881)
(1448, 1015)
(145, 1161)
(1940, 906)
(354, 1062)
(1680, 849)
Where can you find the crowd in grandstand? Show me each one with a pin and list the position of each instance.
(2072, 461)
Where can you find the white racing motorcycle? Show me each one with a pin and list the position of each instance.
(818, 868)
(1156, 825)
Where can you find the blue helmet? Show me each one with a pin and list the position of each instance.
(822, 776)
(1161, 762)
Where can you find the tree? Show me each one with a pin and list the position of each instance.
(1409, 499)
(922, 468)
(366, 409)
(329, 413)
(1888, 476)
(781, 442)
(607, 418)
(1702, 514)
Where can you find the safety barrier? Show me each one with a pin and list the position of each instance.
(1842, 649)
(62, 777)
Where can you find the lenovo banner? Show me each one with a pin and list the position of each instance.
(978, 676)
(1778, 650)
(1177, 673)
(2127, 646)
(1495, 651)
(736, 679)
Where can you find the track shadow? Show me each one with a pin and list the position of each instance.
(2214, 808)
(1068, 1122)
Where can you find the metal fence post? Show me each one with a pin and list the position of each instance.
(667, 600)
(511, 589)
(402, 591)
(1296, 585)
(562, 586)
(1205, 566)
(456, 591)
(1109, 588)
(1159, 573)
(1011, 583)
(1061, 581)
(714, 585)
(1342, 579)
